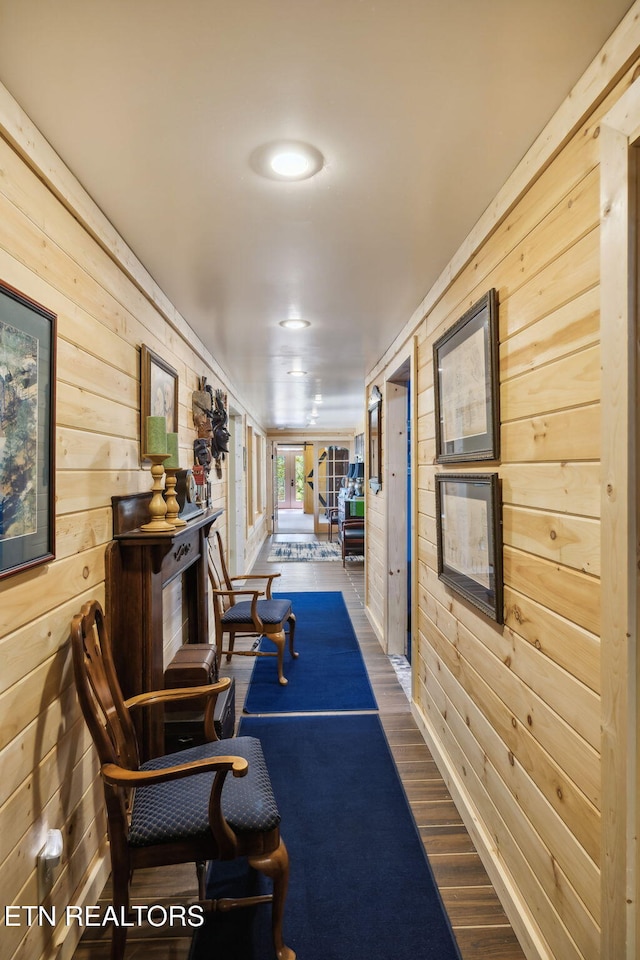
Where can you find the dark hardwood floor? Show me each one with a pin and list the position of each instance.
(480, 925)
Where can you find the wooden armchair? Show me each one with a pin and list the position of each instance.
(160, 812)
(242, 612)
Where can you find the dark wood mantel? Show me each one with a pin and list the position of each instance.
(138, 567)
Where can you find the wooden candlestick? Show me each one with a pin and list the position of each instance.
(173, 507)
(157, 507)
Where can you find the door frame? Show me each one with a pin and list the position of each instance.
(620, 868)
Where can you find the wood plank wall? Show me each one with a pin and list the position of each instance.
(515, 710)
(48, 768)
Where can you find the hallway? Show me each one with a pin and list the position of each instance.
(482, 930)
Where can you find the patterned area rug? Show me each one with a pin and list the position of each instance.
(289, 550)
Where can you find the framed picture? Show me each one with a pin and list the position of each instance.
(27, 432)
(158, 391)
(467, 389)
(469, 530)
(375, 439)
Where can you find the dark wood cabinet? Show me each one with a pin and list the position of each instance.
(139, 565)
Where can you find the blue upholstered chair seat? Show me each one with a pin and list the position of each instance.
(269, 611)
(177, 810)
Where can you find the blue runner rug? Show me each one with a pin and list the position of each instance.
(361, 887)
(328, 675)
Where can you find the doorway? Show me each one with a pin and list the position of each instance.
(398, 481)
(291, 512)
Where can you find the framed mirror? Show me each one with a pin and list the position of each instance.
(375, 439)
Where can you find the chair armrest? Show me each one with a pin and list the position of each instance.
(173, 694)
(122, 777)
(256, 576)
(238, 593)
(177, 693)
(270, 577)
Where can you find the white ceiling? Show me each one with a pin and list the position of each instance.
(421, 108)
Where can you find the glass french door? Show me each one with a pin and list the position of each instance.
(331, 467)
(290, 479)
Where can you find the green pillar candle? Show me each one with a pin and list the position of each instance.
(173, 463)
(156, 435)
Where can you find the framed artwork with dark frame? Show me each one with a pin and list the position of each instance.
(375, 439)
(467, 388)
(158, 391)
(469, 532)
(27, 432)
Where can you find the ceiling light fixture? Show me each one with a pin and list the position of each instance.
(297, 373)
(294, 324)
(286, 160)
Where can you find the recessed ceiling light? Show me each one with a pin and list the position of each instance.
(287, 160)
(294, 324)
(297, 373)
(290, 163)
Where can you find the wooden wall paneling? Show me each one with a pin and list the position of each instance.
(573, 273)
(568, 382)
(528, 809)
(536, 922)
(35, 741)
(573, 648)
(89, 490)
(78, 408)
(574, 326)
(561, 487)
(567, 435)
(568, 592)
(74, 323)
(68, 885)
(570, 541)
(73, 807)
(568, 697)
(41, 940)
(41, 638)
(82, 450)
(566, 796)
(78, 532)
(26, 803)
(96, 375)
(32, 694)
(527, 817)
(514, 744)
(576, 757)
(28, 595)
